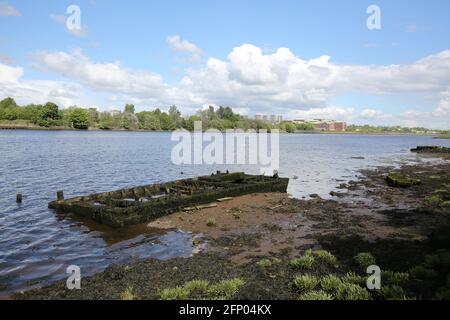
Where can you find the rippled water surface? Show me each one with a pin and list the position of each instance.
(37, 245)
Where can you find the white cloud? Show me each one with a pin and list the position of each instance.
(277, 83)
(184, 46)
(37, 91)
(7, 10)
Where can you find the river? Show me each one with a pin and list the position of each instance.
(37, 245)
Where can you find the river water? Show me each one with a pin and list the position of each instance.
(37, 245)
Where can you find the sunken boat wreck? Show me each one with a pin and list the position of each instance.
(145, 203)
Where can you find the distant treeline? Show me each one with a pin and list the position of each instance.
(51, 116)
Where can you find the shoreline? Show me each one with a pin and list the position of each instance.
(35, 128)
(256, 238)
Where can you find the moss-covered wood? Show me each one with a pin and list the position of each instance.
(145, 203)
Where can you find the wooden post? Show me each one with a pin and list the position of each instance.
(60, 195)
(19, 198)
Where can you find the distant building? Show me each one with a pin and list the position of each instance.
(259, 116)
(272, 118)
(114, 112)
(325, 125)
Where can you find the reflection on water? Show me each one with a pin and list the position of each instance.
(37, 245)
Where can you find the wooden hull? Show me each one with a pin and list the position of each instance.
(145, 203)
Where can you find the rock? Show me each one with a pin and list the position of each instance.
(401, 181)
(431, 149)
(314, 196)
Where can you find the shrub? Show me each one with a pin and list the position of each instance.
(316, 295)
(365, 259)
(303, 262)
(304, 283)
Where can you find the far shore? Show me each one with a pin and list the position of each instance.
(37, 128)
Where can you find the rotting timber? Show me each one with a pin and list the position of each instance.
(145, 203)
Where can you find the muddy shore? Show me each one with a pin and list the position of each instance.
(259, 239)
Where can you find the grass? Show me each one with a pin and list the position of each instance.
(310, 257)
(304, 283)
(351, 277)
(393, 292)
(211, 222)
(396, 278)
(202, 289)
(350, 291)
(330, 283)
(268, 262)
(365, 259)
(325, 257)
(304, 262)
(127, 294)
(316, 295)
(225, 289)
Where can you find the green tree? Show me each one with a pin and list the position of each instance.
(8, 103)
(129, 108)
(79, 118)
(175, 117)
(165, 121)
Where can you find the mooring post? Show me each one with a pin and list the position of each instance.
(19, 198)
(59, 195)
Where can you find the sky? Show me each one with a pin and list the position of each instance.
(298, 59)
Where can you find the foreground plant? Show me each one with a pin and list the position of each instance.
(201, 289)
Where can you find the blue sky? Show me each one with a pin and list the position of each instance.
(130, 40)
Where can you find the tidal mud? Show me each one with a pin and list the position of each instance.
(275, 245)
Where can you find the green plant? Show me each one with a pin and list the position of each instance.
(211, 222)
(316, 295)
(225, 289)
(304, 283)
(127, 294)
(330, 283)
(353, 278)
(398, 278)
(349, 291)
(177, 293)
(364, 259)
(434, 200)
(393, 292)
(196, 286)
(325, 257)
(422, 273)
(303, 262)
(268, 262)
